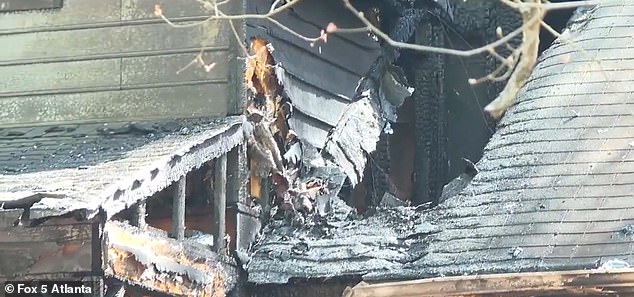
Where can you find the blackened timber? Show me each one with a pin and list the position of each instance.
(220, 201)
(178, 209)
(235, 169)
(426, 71)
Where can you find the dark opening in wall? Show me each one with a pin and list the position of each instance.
(557, 19)
(199, 217)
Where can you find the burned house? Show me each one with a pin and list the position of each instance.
(546, 214)
(115, 163)
(145, 156)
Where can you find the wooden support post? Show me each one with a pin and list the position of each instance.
(237, 180)
(178, 209)
(220, 199)
(237, 175)
(138, 216)
(265, 198)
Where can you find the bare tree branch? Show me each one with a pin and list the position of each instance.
(517, 66)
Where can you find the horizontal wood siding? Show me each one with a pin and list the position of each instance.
(113, 60)
(14, 5)
(57, 249)
(320, 80)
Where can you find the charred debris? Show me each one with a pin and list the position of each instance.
(291, 163)
(366, 155)
(351, 138)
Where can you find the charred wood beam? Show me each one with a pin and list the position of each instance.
(380, 170)
(178, 209)
(149, 259)
(598, 282)
(220, 201)
(427, 74)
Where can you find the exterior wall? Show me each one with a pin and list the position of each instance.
(93, 61)
(319, 80)
(59, 249)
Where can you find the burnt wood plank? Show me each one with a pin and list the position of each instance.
(311, 130)
(355, 52)
(17, 5)
(98, 43)
(312, 101)
(170, 101)
(46, 249)
(127, 72)
(355, 136)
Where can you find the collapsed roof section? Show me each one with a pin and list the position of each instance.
(555, 183)
(86, 169)
(552, 193)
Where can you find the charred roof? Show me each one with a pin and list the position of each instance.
(89, 168)
(553, 191)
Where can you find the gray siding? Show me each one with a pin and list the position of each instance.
(113, 60)
(319, 80)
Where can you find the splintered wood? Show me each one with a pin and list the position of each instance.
(259, 75)
(262, 112)
(274, 149)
